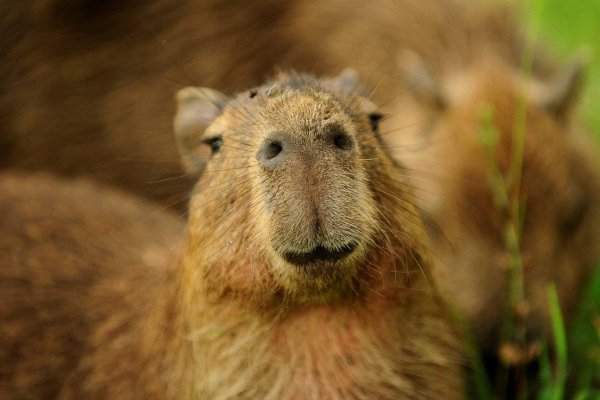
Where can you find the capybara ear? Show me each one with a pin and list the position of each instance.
(562, 92)
(196, 110)
(421, 80)
(348, 80)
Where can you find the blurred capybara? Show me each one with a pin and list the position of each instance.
(305, 272)
(72, 255)
(462, 154)
(86, 86)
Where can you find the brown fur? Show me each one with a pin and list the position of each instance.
(72, 256)
(105, 116)
(86, 89)
(92, 81)
(559, 188)
(471, 56)
(234, 319)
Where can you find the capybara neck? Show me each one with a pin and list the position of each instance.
(351, 348)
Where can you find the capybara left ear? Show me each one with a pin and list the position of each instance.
(197, 108)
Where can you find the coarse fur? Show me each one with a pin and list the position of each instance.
(74, 258)
(236, 318)
(104, 115)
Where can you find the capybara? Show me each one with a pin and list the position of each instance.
(305, 273)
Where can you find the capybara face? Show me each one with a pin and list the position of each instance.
(313, 204)
(290, 179)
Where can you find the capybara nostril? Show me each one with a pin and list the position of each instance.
(269, 154)
(343, 141)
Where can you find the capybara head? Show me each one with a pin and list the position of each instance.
(294, 192)
(470, 168)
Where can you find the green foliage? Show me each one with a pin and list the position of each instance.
(569, 27)
(553, 375)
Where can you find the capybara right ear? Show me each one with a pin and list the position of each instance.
(197, 108)
(421, 80)
(560, 95)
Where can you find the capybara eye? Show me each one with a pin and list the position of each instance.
(374, 118)
(215, 143)
(272, 150)
(573, 219)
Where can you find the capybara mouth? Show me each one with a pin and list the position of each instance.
(319, 253)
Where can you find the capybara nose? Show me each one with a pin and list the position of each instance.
(276, 148)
